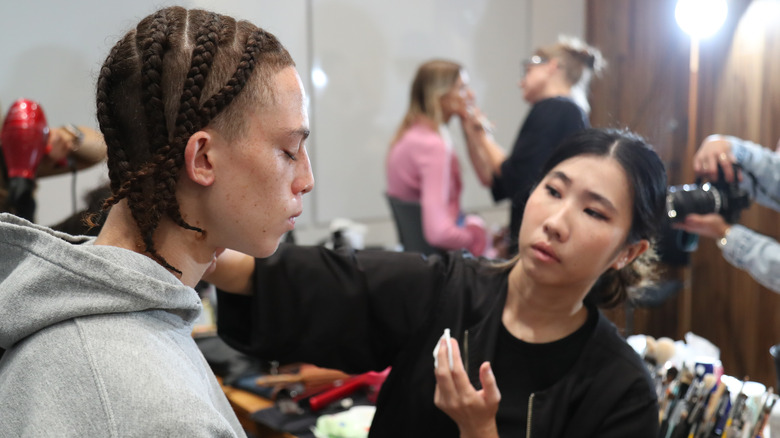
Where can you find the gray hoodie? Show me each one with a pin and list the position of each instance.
(99, 343)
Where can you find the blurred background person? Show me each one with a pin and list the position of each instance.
(555, 82)
(757, 172)
(422, 166)
(69, 148)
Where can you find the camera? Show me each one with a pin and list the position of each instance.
(721, 196)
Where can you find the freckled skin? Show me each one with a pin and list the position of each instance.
(257, 186)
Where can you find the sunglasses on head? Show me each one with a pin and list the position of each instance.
(534, 60)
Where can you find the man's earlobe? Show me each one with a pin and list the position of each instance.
(197, 161)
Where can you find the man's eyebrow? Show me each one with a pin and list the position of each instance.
(300, 132)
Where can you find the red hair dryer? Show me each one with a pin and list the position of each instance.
(23, 139)
(371, 380)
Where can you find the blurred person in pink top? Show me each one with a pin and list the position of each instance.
(422, 166)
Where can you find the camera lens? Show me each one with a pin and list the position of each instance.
(692, 198)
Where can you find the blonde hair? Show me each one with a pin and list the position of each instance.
(579, 61)
(433, 80)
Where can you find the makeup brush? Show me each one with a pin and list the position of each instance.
(697, 403)
(712, 406)
(770, 398)
(736, 419)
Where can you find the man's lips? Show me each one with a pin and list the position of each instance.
(292, 218)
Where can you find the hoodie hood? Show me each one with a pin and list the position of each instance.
(47, 277)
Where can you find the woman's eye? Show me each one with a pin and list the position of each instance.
(552, 191)
(595, 214)
(290, 156)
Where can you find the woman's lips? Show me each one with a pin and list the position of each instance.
(545, 253)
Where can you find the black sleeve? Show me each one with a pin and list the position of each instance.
(548, 123)
(351, 311)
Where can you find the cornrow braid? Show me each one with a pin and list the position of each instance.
(176, 73)
(118, 166)
(187, 121)
(152, 49)
(216, 103)
(140, 188)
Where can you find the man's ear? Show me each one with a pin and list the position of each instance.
(630, 253)
(197, 159)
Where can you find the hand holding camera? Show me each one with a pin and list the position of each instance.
(721, 195)
(708, 225)
(715, 152)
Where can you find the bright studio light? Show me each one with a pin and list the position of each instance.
(700, 18)
(319, 78)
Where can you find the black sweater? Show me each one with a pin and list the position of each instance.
(372, 309)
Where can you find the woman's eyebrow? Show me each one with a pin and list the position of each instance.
(557, 174)
(601, 200)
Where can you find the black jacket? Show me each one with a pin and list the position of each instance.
(371, 309)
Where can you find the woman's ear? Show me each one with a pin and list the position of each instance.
(554, 65)
(630, 253)
(197, 160)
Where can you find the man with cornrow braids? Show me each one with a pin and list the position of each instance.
(205, 124)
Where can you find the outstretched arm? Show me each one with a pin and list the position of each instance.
(329, 308)
(745, 249)
(485, 154)
(84, 150)
(233, 273)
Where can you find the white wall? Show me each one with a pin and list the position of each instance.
(52, 52)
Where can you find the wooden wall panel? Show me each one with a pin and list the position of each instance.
(644, 86)
(646, 90)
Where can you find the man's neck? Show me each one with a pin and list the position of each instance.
(183, 249)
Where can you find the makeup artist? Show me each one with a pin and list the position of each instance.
(532, 354)
(758, 173)
(555, 82)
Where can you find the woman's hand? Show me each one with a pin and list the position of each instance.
(715, 151)
(61, 144)
(708, 225)
(474, 121)
(473, 411)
